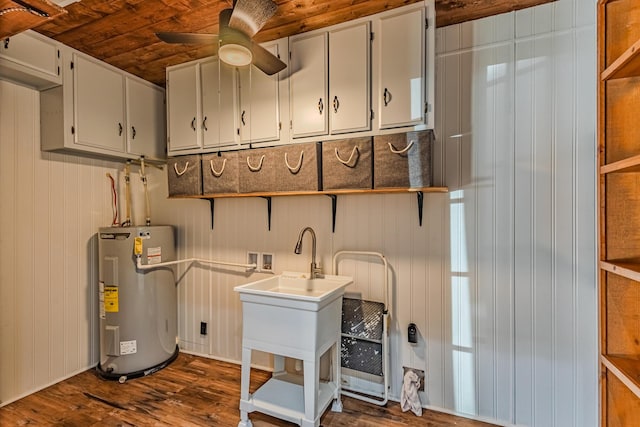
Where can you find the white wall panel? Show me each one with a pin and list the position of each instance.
(51, 208)
(500, 278)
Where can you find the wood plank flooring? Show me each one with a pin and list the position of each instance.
(192, 391)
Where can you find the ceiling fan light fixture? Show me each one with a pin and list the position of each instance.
(235, 55)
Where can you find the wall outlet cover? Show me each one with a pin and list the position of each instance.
(420, 373)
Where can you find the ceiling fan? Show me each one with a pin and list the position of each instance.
(237, 26)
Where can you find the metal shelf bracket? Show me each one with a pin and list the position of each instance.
(268, 199)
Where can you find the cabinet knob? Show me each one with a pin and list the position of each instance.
(336, 104)
(204, 123)
(386, 96)
(119, 129)
(133, 132)
(193, 124)
(320, 106)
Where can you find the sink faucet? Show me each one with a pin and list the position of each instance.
(314, 270)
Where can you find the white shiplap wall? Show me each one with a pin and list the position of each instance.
(501, 278)
(51, 206)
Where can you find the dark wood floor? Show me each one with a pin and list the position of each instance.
(192, 391)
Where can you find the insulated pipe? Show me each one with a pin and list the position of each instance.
(147, 205)
(141, 266)
(127, 196)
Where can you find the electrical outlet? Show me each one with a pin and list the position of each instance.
(420, 374)
(266, 262)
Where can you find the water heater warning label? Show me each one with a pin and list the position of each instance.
(128, 347)
(111, 299)
(154, 255)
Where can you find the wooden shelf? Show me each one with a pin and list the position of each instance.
(333, 194)
(626, 369)
(318, 193)
(626, 65)
(630, 164)
(629, 268)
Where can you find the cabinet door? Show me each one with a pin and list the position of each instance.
(209, 74)
(35, 54)
(183, 112)
(401, 73)
(259, 103)
(98, 105)
(308, 85)
(228, 105)
(145, 119)
(349, 81)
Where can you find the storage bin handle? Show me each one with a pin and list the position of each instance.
(255, 168)
(175, 167)
(353, 152)
(296, 168)
(404, 150)
(216, 173)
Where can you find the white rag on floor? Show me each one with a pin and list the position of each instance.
(409, 398)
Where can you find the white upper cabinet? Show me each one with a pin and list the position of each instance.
(308, 84)
(183, 114)
(145, 119)
(99, 114)
(349, 78)
(228, 106)
(102, 111)
(401, 62)
(32, 59)
(260, 102)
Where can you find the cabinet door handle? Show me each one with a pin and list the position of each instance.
(242, 118)
(320, 106)
(386, 96)
(193, 124)
(204, 123)
(133, 132)
(119, 129)
(6, 43)
(336, 104)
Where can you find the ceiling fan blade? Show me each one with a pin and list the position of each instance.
(249, 16)
(188, 38)
(265, 61)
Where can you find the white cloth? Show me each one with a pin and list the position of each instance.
(409, 399)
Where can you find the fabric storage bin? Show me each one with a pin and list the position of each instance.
(403, 160)
(257, 172)
(220, 173)
(347, 163)
(185, 175)
(298, 167)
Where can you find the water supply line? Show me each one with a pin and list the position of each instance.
(127, 195)
(141, 266)
(114, 201)
(147, 205)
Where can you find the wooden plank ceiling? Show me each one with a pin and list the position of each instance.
(121, 32)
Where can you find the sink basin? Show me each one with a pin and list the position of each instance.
(298, 287)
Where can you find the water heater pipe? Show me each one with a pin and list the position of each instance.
(141, 266)
(127, 196)
(147, 205)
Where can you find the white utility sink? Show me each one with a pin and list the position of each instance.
(291, 287)
(291, 315)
